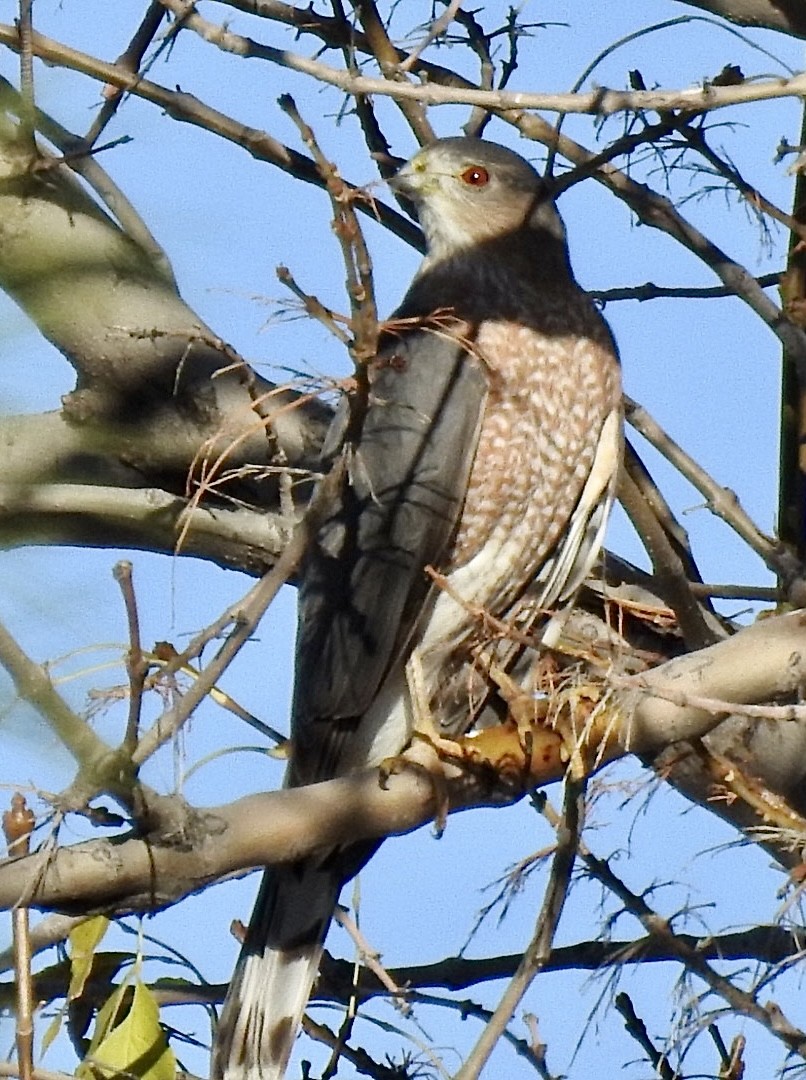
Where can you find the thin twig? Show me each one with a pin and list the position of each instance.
(721, 500)
(18, 824)
(28, 110)
(535, 1056)
(100, 766)
(612, 47)
(129, 60)
(355, 254)
(671, 573)
(7, 1069)
(479, 41)
(695, 137)
(313, 306)
(357, 1056)
(437, 28)
(136, 663)
(650, 291)
(637, 1029)
(370, 959)
(765, 593)
(780, 713)
(539, 948)
(386, 54)
(769, 1016)
(244, 617)
(658, 212)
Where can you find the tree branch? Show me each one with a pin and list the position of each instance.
(147, 519)
(757, 664)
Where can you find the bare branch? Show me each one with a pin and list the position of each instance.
(650, 291)
(100, 767)
(721, 501)
(770, 1017)
(672, 564)
(734, 670)
(539, 948)
(600, 102)
(757, 664)
(189, 109)
(243, 539)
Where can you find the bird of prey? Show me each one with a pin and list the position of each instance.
(488, 453)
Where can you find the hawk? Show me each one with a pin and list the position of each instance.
(484, 464)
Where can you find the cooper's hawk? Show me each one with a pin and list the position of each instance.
(488, 451)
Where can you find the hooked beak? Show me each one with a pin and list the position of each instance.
(410, 181)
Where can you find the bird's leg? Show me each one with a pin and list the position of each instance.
(427, 745)
(425, 726)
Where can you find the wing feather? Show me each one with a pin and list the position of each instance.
(363, 583)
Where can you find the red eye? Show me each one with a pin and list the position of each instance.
(476, 176)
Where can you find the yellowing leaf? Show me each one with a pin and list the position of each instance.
(137, 1046)
(84, 940)
(53, 1030)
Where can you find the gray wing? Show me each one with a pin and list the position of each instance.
(363, 583)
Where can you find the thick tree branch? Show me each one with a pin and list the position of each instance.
(159, 394)
(757, 664)
(89, 515)
(760, 663)
(127, 874)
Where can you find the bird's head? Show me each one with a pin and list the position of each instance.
(468, 191)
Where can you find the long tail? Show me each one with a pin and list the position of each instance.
(275, 972)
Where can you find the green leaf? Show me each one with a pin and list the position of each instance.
(137, 1046)
(104, 1025)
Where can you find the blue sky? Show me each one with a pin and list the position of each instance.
(708, 371)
